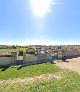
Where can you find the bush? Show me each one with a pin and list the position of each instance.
(31, 51)
(27, 52)
(13, 47)
(21, 52)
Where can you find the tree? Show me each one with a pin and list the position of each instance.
(13, 47)
(32, 51)
(21, 52)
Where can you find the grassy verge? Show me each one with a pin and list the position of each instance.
(70, 82)
(28, 71)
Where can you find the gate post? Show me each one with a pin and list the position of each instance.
(59, 54)
(14, 57)
(24, 57)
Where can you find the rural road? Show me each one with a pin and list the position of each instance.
(73, 64)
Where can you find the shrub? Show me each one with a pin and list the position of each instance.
(21, 52)
(31, 51)
(27, 52)
(13, 47)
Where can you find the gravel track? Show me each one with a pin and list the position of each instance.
(73, 64)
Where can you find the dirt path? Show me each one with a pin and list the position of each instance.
(30, 80)
(73, 64)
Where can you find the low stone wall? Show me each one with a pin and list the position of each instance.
(44, 56)
(29, 58)
(68, 53)
(5, 61)
(8, 59)
(36, 58)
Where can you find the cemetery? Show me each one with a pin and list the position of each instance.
(42, 66)
(38, 57)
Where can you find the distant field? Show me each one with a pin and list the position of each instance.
(8, 51)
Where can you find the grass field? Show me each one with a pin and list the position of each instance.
(69, 83)
(8, 51)
(28, 71)
(13, 80)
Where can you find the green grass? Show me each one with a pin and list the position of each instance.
(20, 57)
(6, 51)
(28, 71)
(70, 82)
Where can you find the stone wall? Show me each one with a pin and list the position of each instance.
(5, 60)
(8, 59)
(68, 53)
(36, 58)
(29, 58)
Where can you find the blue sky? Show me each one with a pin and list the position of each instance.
(25, 22)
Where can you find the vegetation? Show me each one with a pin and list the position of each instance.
(13, 47)
(21, 52)
(28, 71)
(32, 51)
(8, 51)
(70, 82)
